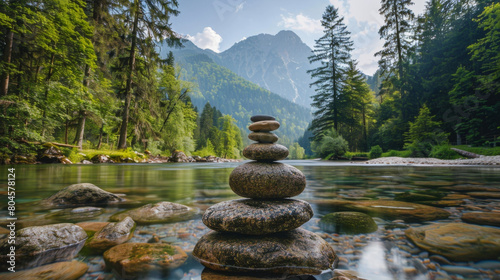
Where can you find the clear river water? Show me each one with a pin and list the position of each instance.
(384, 254)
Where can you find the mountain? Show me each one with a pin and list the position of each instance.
(278, 63)
(233, 95)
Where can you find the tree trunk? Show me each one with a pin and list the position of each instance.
(7, 56)
(49, 75)
(80, 130)
(101, 132)
(122, 144)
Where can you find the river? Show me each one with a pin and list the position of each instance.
(384, 254)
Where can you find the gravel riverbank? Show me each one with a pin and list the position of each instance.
(485, 160)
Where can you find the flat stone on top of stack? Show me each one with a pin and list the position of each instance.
(263, 233)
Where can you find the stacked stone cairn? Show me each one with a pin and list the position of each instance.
(261, 233)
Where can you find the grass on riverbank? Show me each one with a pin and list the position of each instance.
(485, 151)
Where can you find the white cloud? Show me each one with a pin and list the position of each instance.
(301, 22)
(239, 7)
(207, 39)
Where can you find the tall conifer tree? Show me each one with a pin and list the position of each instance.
(332, 51)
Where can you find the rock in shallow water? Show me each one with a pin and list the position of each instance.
(263, 137)
(257, 217)
(111, 235)
(482, 218)
(161, 212)
(348, 223)
(293, 252)
(60, 271)
(388, 209)
(40, 245)
(265, 152)
(83, 194)
(267, 180)
(138, 260)
(458, 241)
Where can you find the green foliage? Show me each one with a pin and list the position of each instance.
(444, 152)
(375, 152)
(331, 145)
(394, 153)
(296, 151)
(425, 129)
(485, 151)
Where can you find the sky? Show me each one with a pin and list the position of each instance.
(219, 24)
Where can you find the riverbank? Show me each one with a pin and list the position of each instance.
(484, 160)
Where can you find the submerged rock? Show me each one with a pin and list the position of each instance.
(348, 223)
(267, 180)
(92, 227)
(458, 241)
(161, 212)
(111, 235)
(83, 194)
(61, 271)
(257, 217)
(76, 214)
(293, 252)
(138, 260)
(484, 194)
(388, 209)
(482, 218)
(39, 245)
(265, 152)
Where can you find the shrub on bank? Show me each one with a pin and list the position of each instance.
(375, 152)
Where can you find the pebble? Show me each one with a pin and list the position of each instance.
(459, 269)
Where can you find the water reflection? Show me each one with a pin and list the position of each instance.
(384, 254)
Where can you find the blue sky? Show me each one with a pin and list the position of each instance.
(218, 24)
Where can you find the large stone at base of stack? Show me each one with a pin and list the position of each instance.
(293, 252)
(262, 234)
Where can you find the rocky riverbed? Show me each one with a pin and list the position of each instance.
(430, 223)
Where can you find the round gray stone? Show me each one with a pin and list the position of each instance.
(84, 194)
(257, 217)
(267, 180)
(293, 252)
(258, 118)
(263, 137)
(39, 245)
(265, 152)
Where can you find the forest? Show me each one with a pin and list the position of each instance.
(90, 74)
(438, 82)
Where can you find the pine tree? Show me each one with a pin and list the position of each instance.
(396, 33)
(332, 51)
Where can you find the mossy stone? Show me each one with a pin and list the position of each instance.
(348, 223)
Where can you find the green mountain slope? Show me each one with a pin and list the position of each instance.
(238, 97)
